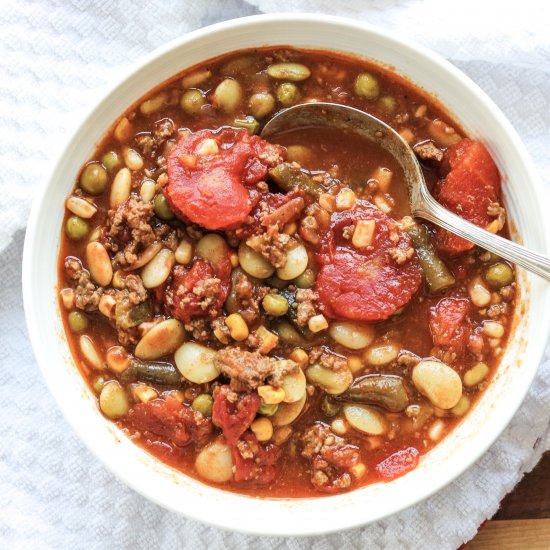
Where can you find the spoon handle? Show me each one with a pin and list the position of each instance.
(432, 211)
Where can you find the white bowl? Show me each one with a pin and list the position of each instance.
(169, 488)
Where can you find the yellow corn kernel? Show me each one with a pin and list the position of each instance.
(281, 434)
(67, 297)
(262, 428)
(208, 147)
(317, 323)
(383, 176)
(359, 470)
(301, 357)
(363, 233)
(290, 228)
(271, 395)
(327, 202)
(144, 393)
(237, 327)
(269, 340)
(345, 199)
(234, 260)
(493, 227)
(355, 364)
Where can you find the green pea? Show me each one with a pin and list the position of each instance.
(388, 103)
(330, 407)
(111, 161)
(203, 403)
(192, 101)
(78, 321)
(268, 409)
(249, 123)
(306, 279)
(76, 228)
(288, 94)
(98, 383)
(275, 304)
(499, 275)
(93, 178)
(367, 86)
(161, 208)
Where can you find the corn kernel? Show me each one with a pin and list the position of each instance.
(290, 228)
(208, 147)
(327, 202)
(359, 470)
(144, 393)
(355, 364)
(271, 395)
(345, 200)
(269, 340)
(339, 426)
(383, 176)
(301, 357)
(363, 233)
(317, 323)
(234, 260)
(237, 327)
(262, 428)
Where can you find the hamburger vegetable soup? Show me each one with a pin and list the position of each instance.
(266, 317)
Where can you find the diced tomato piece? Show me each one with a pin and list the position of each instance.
(234, 418)
(262, 467)
(449, 324)
(471, 183)
(170, 419)
(209, 187)
(371, 283)
(185, 303)
(398, 464)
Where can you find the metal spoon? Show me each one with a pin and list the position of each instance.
(423, 205)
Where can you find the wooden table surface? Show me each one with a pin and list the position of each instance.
(523, 520)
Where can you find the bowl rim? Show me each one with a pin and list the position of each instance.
(439, 63)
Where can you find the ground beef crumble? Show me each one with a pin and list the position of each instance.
(86, 293)
(248, 370)
(305, 309)
(248, 297)
(318, 354)
(427, 151)
(331, 458)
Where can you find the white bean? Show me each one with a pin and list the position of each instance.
(296, 263)
(121, 187)
(352, 335)
(254, 263)
(381, 354)
(493, 329)
(196, 363)
(215, 462)
(332, 381)
(479, 293)
(67, 297)
(132, 159)
(90, 352)
(184, 252)
(227, 95)
(99, 263)
(113, 401)
(147, 190)
(163, 339)
(158, 269)
(294, 385)
(80, 207)
(438, 382)
(150, 106)
(366, 419)
(288, 412)
(212, 247)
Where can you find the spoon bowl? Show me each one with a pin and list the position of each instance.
(422, 204)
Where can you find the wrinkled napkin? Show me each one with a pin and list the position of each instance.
(54, 56)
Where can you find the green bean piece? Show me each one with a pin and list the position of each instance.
(277, 283)
(128, 315)
(288, 94)
(499, 275)
(438, 276)
(288, 334)
(161, 208)
(384, 390)
(192, 101)
(78, 321)
(275, 304)
(367, 86)
(268, 409)
(76, 228)
(155, 372)
(289, 178)
(330, 407)
(248, 123)
(93, 178)
(203, 403)
(306, 279)
(111, 160)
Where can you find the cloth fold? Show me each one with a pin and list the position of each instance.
(54, 57)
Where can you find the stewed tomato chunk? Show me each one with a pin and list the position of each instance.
(371, 280)
(471, 189)
(211, 174)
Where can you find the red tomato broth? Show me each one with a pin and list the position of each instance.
(354, 158)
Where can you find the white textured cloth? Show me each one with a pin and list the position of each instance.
(54, 54)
